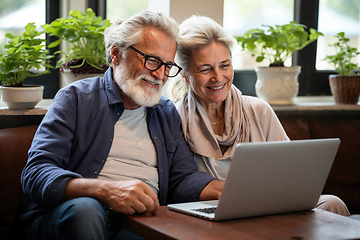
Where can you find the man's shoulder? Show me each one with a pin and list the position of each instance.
(166, 108)
(84, 92)
(92, 84)
(166, 102)
(86, 85)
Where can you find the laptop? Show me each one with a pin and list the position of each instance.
(270, 178)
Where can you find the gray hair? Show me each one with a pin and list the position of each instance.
(196, 32)
(127, 32)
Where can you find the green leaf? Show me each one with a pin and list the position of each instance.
(280, 42)
(302, 36)
(259, 58)
(60, 62)
(342, 60)
(30, 27)
(85, 32)
(55, 43)
(75, 14)
(22, 53)
(58, 52)
(9, 35)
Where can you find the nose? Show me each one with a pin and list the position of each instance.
(216, 75)
(159, 74)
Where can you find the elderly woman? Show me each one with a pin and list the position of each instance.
(215, 115)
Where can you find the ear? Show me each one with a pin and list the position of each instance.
(115, 55)
(185, 77)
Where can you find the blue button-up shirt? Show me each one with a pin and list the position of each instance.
(75, 137)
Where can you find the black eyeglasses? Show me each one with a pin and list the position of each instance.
(153, 63)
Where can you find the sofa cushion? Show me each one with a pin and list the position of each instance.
(14, 145)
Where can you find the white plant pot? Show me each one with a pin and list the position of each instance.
(277, 85)
(23, 97)
(68, 77)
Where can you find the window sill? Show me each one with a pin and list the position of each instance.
(40, 109)
(318, 106)
(302, 104)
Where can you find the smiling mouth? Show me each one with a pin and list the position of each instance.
(151, 82)
(216, 87)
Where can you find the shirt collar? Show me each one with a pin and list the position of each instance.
(110, 88)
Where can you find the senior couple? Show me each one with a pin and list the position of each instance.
(114, 143)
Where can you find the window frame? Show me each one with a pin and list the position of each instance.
(51, 81)
(312, 82)
(99, 7)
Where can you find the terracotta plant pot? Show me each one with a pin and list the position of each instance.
(345, 89)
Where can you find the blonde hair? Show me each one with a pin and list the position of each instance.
(127, 32)
(195, 32)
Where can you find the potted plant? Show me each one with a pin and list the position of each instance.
(84, 33)
(277, 84)
(345, 86)
(25, 56)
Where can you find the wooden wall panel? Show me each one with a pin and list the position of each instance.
(344, 177)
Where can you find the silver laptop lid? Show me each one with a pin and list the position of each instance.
(276, 177)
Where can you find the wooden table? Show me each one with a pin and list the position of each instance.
(314, 224)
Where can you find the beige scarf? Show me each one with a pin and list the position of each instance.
(199, 133)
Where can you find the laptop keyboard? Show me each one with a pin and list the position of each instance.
(206, 210)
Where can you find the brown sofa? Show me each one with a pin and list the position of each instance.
(14, 145)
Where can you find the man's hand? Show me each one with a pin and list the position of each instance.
(128, 197)
(212, 191)
(131, 196)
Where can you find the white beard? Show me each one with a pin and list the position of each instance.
(141, 95)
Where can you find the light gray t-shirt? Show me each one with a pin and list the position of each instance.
(132, 154)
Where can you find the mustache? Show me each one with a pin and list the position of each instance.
(150, 79)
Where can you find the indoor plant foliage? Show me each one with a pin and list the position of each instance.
(344, 86)
(277, 84)
(85, 33)
(277, 43)
(23, 54)
(342, 60)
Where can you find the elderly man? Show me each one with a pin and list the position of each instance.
(113, 142)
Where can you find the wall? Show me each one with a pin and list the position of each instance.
(181, 10)
(343, 180)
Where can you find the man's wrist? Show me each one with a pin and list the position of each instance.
(212, 191)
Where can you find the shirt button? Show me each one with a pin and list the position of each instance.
(111, 140)
(155, 138)
(118, 114)
(96, 172)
